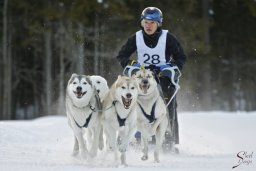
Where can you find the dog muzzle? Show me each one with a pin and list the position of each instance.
(126, 102)
(144, 85)
(79, 94)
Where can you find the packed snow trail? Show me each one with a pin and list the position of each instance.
(208, 141)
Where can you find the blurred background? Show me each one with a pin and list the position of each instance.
(44, 41)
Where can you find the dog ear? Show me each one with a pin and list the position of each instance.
(73, 75)
(153, 74)
(72, 78)
(117, 81)
(135, 82)
(134, 75)
(88, 79)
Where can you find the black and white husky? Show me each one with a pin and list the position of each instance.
(82, 107)
(152, 113)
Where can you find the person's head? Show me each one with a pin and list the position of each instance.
(151, 18)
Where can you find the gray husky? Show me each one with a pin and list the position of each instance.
(82, 107)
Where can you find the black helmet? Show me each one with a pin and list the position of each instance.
(152, 13)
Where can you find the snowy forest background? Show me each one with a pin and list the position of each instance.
(44, 41)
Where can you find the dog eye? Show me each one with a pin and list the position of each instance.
(74, 83)
(132, 88)
(84, 83)
(123, 87)
(98, 82)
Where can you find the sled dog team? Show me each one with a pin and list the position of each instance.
(131, 104)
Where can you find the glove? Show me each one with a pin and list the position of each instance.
(162, 67)
(136, 65)
(131, 68)
(172, 72)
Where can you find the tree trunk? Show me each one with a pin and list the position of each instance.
(35, 88)
(96, 45)
(80, 63)
(7, 94)
(206, 68)
(48, 71)
(102, 49)
(61, 104)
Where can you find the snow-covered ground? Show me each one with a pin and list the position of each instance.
(208, 141)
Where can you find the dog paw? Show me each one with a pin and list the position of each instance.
(123, 160)
(101, 146)
(124, 164)
(144, 157)
(83, 155)
(75, 153)
(122, 150)
(156, 157)
(157, 160)
(93, 154)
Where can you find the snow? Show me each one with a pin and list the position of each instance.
(208, 141)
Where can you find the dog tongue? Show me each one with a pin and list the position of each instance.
(79, 94)
(126, 102)
(144, 88)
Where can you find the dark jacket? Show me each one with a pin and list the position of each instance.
(173, 48)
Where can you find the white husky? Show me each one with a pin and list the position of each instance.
(100, 84)
(82, 106)
(119, 114)
(151, 109)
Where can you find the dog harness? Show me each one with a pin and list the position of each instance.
(119, 119)
(150, 117)
(86, 122)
